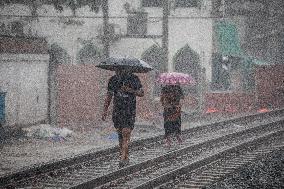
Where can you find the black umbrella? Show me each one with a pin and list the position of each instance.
(126, 63)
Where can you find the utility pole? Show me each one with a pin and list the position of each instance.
(223, 9)
(106, 36)
(165, 37)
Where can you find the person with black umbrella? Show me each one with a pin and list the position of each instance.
(123, 88)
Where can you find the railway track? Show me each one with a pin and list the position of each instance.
(150, 159)
(222, 167)
(188, 159)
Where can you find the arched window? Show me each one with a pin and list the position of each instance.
(89, 54)
(154, 56)
(187, 61)
(58, 55)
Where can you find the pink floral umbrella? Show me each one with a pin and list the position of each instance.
(175, 78)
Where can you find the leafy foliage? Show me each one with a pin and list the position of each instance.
(58, 4)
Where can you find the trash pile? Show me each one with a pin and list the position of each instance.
(46, 131)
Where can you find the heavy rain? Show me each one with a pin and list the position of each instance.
(141, 94)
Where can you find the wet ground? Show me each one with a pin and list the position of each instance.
(24, 152)
(266, 172)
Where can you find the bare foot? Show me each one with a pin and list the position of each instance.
(179, 139)
(168, 142)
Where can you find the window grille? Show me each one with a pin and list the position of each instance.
(17, 28)
(186, 3)
(137, 24)
(152, 3)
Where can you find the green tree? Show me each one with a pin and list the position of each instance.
(58, 4)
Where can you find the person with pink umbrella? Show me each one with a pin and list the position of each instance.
(171, 96)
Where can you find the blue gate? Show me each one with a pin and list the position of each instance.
(2, 107)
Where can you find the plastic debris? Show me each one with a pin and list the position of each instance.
(113, 136)
(46, 131)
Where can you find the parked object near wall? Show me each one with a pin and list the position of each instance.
(2, 116)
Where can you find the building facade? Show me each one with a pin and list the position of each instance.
(136, 29)
(214, 37)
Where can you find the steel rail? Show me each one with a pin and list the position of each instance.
(220, 169)
(206, 160)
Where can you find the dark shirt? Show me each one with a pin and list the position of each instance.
(172, 94)
(124, 104)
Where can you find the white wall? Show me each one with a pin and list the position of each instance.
(190, 26)
(24, 78)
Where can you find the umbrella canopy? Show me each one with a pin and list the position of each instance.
(175, 78)
(127, 63)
